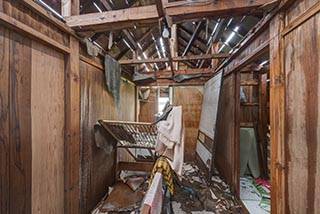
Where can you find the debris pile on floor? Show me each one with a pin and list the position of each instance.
(192, 194)
(255, 195)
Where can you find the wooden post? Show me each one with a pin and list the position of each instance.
(263, 114)
(277, 116)
(174, 45)
(72, 117)
(214, 50)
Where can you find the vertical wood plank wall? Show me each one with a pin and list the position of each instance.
(190, 98)
(40, 116)
(294, 109)
(4, 121)
(20, 123)
(302, 72)
(227, 132)
(47, 113)
(32, 99)
(97, 168)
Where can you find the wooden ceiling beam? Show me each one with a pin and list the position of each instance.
(170, 82)
(166, 73)
(184, 10)
(174, 59)
(144, 16)
(115, 19)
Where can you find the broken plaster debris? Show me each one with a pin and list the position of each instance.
(193, 195)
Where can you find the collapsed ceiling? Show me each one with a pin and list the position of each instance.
(195, 32)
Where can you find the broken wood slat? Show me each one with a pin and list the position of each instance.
(249, 82)
(184, 10)
(174, 59)
(115, 20)
(136, 166)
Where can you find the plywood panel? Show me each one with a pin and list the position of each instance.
(227, 133)
(190, 98)
(47, 112)
(4, 120)
(302, 47)
(20, 124)
(98, 168)
(210, 105)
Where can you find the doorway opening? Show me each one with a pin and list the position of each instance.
(255, 138)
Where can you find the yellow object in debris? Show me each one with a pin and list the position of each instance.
(162, 165)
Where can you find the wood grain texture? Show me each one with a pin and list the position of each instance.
(97, 168)
(298, 8)
(277, 124)
(302, 117)
(190, 98)
(72, 128)
(249, 114)
(4, 121)
(21, 13)
(47, 112)
(20, 124)
(227, 147)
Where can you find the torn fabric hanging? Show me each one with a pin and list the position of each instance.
(113, 77)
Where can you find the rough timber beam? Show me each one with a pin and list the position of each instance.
(184, 10)
(174, 59)
(146, 16)
(115, 20)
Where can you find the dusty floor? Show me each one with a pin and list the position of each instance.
(192, 195)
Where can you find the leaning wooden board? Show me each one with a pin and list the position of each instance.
(209, 110)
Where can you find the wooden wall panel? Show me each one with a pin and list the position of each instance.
(4, 121)
(302, 70)
(149, 108)
(128, 100)
(299, 7)
(18, 11)
(47, 112)
(20, 124)
(227, 132)
(190, 98)
(97, 168)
